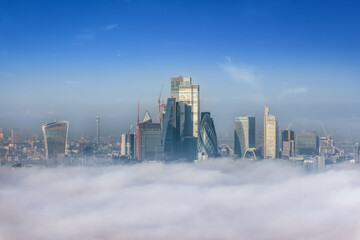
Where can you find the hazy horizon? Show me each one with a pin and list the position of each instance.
(72, 61)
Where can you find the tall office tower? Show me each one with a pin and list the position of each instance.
(307, 144)
(207, 141)
(271, 135)
(150, 147)
(170, 134)
(244, 135)
(287, 144)
(188, 143)
(1, 134)
(357, 152)
(127, 147)
(98, 130)
(55, 136)
(177, 135)
(15, 136)
(183, 91)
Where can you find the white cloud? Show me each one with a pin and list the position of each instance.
(217, 199)
(295, 91)
(112, 26)
(244, 74)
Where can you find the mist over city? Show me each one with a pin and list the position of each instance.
(133, 119)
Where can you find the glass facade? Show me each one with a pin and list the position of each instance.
(170, 135)
(183, 91)
(55, 135)
(306, 144)
(244, 134)
(150, 147)
(177, 131)
(207, 141)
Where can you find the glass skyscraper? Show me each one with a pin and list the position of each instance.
(207, 141)
(150, 147)
(170, 134)
(177, 135)
(55, 136)
(183, 91)
(244, 135)
(306, 143)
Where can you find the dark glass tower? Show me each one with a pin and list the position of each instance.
(207, 141)
(170, 134)
(150, 147)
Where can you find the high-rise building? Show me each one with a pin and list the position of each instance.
(177, 135)
(170, 134)
(244, 135)
(15, 136)
(357, 152)
(271, 135)
(287, 144)
(1, 134)
(183, 91)
(55, 136)
(150, 147)
(207, 141)
(98, 130)
(127, 147)
(306, 144)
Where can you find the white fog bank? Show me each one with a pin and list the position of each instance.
(218, 199)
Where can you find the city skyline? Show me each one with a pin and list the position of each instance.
(62, 64)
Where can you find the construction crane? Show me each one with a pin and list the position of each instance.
(328, 140)
(323, 127)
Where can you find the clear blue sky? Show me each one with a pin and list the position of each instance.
(75, 59)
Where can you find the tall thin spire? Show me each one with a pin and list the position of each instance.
(98, 130)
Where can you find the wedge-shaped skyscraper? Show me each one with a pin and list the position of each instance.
(55, 136)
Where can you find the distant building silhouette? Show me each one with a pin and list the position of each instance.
(15, 136)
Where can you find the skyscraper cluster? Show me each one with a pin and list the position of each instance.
(180, 134)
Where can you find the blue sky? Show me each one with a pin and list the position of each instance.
(75, 59)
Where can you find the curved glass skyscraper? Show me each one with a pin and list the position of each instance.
(207, 141)
(55, 136)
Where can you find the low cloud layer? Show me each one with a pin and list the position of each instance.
(218, 199)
